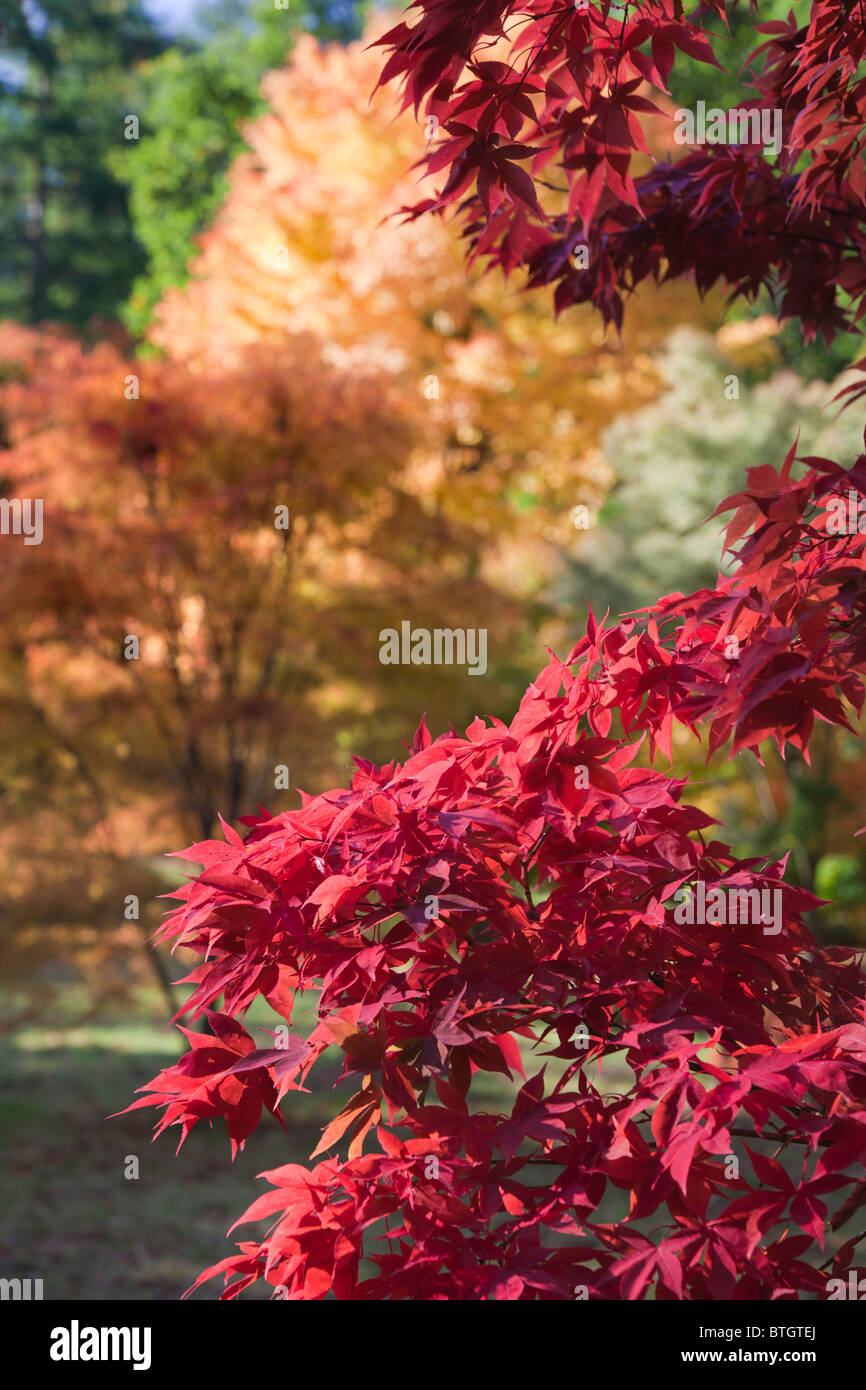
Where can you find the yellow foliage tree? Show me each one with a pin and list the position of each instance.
(505, 405)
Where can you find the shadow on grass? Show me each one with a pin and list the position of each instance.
(71, 1217)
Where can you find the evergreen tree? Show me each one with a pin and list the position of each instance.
(68, 83)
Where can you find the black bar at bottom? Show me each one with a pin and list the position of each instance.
(60, 1339)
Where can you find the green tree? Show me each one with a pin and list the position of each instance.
(676, 458)
(692, 81)
(67, 82)
(196, 100)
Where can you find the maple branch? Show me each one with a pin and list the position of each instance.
(766, 1138)
(857, 1239)
(619, 52)
(524, 866)
(533, 910)
(537, 846)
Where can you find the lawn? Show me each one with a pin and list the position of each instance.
(72, 1218)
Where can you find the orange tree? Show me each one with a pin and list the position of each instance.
(176, 643)
(426, 437)
(505, 406)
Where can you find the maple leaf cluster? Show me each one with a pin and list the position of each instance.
(513, 886)
(530, 94)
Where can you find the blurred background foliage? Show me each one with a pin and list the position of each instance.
(195, 97)
(69, 74)
(222, 317)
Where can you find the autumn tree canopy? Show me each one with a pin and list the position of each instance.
(505, 406)
(176, 645)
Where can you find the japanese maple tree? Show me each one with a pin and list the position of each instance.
(541, 92)
(504, 901)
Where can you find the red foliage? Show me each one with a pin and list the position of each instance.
(516, 883)
(562, 103)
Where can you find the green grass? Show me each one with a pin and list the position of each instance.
(74, 1220)
(71, 1217)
